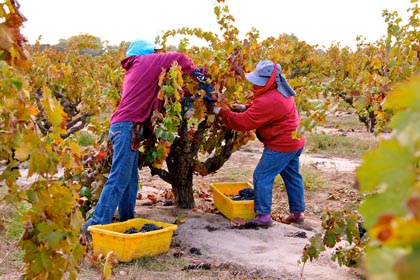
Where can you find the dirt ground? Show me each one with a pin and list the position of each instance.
(233, 253)
(225, 252)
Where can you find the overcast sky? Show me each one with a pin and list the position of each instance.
(319, 22)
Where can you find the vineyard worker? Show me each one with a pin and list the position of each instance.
(138, 100)
(274, 115)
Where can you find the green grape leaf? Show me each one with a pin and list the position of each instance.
(389, 164)
(313, 249)
(406, 123)
(388, 170)
(380, 262)
(168, 90)
(330, 238)
(408, 266)
(32, 196)
(17, 83)
(49, 234)
(389, 201)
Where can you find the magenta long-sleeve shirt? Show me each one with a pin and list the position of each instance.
(140, 90)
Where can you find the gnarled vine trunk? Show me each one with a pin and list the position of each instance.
(182, 162)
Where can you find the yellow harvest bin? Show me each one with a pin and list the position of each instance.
(232, 208)
(126, 247)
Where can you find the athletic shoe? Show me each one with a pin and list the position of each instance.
(294, 218)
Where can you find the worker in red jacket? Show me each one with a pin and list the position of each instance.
(274, 116)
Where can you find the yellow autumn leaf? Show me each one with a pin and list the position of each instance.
(40, 163)
(398, 232)
(377, 64)
(52, 108)
(75, 148)
(177, 93)
(157, 164)
(67, 70)
(406, 95)
(107, 270)
(28, 144)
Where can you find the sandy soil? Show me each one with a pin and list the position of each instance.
(272, 252)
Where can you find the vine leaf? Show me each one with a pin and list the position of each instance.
(41, 163)
(393, 165)
(28, 144)
(107, 271)
(49, 234)
(405, 96)
(406, 121)
(382, 260)
(408, 266)
(392, 179)
(53, 108)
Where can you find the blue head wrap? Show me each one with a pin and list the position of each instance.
(140, 47)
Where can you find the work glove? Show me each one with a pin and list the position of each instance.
(212, 110)
(238, 108)
(201, 73)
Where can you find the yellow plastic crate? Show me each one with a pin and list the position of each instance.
(232, 208)
(126, 247)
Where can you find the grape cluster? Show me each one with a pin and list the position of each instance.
(131, 231)
(195, 251)
(244, 194)
(149, 227)
(361, 229)
(145, 228)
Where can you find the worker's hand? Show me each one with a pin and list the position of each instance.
(238, 107)
(216, 110)
(211, 108)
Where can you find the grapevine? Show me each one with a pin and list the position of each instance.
(51, 93)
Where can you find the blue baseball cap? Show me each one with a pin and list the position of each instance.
(140, 47)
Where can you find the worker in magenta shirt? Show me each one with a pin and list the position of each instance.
(139, 99)
(274, 116)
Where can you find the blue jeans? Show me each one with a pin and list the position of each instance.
(270, 165)
(120, 190)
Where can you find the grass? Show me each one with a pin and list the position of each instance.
(312, 178)
(339, 145)
(85, 139)
(340, 141)
(13, 224)
(10, 217)
(155, 263)
(9, 237)
(237, 175)
(345, 121)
